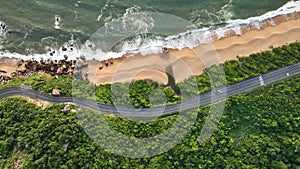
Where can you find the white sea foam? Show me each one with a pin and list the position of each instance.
(190, 39)
(193, 38)
(196, 37)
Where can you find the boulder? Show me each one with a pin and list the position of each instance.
(67, 108)
(56, 92)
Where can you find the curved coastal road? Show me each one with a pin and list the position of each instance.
(201, 100)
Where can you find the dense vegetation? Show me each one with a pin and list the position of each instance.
(43, 82)
(139, 91)
(259, 129)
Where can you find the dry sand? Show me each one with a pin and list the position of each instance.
(183, 63)
(186, 62)
(256, 41)
(8, 65)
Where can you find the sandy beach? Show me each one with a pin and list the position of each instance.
(8, 66)
(183, 63)
(186, 62)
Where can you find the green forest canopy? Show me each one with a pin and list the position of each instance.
(138, 96)
(259, 129)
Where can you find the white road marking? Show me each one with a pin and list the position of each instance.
(261, 80)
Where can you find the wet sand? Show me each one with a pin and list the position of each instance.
(186, 62)
(181, 64)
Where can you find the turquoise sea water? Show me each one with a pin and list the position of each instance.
(32, 25)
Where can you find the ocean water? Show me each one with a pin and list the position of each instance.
(31, 22)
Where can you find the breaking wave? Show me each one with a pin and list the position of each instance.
(153, 44)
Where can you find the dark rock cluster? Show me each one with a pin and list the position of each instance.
(54, 68)
(106, 63)
(4, 79)
(62, 67)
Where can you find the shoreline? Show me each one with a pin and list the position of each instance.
(253, 40)
(153, 66)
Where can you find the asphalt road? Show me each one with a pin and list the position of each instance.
(201, 100)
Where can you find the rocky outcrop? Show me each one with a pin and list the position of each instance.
(62, 67)
(56, 92)
(67, 108)
(4, 79)
(65, 147)
(54, 68)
